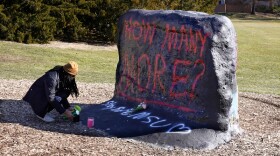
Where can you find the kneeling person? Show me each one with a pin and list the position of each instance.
(52, 90)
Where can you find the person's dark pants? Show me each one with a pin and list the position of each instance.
(64, 102)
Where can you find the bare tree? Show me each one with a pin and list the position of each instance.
(271, 4)
(253, 11)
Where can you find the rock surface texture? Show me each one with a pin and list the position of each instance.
(183, 66)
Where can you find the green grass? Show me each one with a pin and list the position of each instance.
(18, 61)
(258, 58)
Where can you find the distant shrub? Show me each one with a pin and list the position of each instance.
(276, 10)
(41, 21)
(28, 39)
(263, 9)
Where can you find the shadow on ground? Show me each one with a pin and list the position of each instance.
(254, 109)
(19, 112)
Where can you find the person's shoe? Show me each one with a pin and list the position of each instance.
(46, 118)
(53, 114)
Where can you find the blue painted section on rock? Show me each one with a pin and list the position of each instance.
(181, 64)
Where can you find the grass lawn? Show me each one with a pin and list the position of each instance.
(258, 55)
(258, 58)
(19, 61)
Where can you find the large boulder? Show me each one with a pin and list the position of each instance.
(182, 64)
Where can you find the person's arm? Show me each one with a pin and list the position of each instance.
(64, 100)
(66, 104)
(50, 83)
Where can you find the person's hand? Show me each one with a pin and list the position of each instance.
(57, 98)
(70, 109)
(68, 114)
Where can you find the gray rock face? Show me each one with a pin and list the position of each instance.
(181, 63)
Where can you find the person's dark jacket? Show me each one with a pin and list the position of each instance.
(42, 94)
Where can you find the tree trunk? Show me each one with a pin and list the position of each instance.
(253, 11)
(271, 5)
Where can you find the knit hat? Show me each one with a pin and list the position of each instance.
(71, 68)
